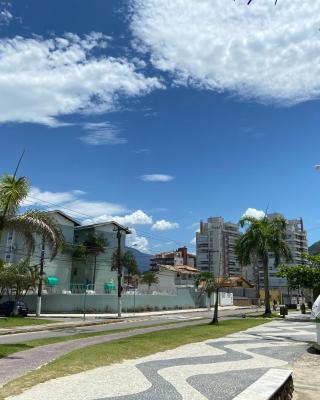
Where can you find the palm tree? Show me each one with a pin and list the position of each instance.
(263, 237)
(32, 222)
(95, 244)
(208, 283)
(149, 278)
(128, 260)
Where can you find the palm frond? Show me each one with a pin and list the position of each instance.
(12, 192)
(38, 223)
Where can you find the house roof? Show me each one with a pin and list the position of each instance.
(233, 280)
(77, 223)
(179, 268)
(127, 231)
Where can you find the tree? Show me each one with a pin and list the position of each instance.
(33, 222)
(128, 260)
(95, 244)
(18, 279)
(208, 283)
(149, 278)
(303, 276)
(263, 237)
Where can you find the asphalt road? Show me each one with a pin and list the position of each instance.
(129, 323)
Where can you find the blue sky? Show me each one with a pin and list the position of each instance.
(220, 100)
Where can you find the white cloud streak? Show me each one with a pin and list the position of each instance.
(261, 52)
(157, 178)
(44, 79)
(102, 133)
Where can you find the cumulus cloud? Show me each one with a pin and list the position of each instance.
(135, 218)
(163, 225)
(44, 79)
(157, 178)
(252, 212)
(138, 242)
(102, 133)
(260, 51)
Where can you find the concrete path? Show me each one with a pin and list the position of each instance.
(19, 364)
(138, 321)
(215, 369)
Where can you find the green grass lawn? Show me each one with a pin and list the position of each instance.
(8, 349)
(128, 348)
(12, 322)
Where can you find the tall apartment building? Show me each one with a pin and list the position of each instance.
(216, 247)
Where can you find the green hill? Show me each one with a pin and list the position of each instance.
(315, 248)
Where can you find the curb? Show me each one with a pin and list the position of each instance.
(269, 386)
(51, 327)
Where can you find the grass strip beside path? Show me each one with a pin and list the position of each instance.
(129, 348)
(11, 348)
(12, 322)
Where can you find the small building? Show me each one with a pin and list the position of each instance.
(180, 275)
(173, 258)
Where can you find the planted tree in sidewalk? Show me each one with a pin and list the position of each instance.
(262, 238)
(128, 261)
(149, 278)
(207, 283)
(303, 276)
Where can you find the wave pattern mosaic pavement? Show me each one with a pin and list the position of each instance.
(219, 368)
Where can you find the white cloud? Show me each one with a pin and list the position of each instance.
(260, 51)
(70, 202)
(38, 197)
(5, 17)
(193, 241)
(43, 79)
(102, 133)
(94, 208)
(138, 242)
(252, 212)
(136, 218)
(163, 225)
(157, 178)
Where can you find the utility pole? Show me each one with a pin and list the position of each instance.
(120, 229)
(41, 273)
(119, 270)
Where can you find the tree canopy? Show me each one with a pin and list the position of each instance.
(303, 276)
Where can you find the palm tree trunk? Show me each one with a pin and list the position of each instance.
(266, 284)
(216, 305)
(94, 271)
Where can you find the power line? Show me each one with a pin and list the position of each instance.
(152, 236)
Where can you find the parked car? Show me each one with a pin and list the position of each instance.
(14, 308)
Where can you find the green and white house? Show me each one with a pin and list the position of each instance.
(67, 273)
(69, 280)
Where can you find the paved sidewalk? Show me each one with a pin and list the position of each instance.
(306, 373)
(19, 364)
(141, 314)
(54, 326)
(214, 369)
